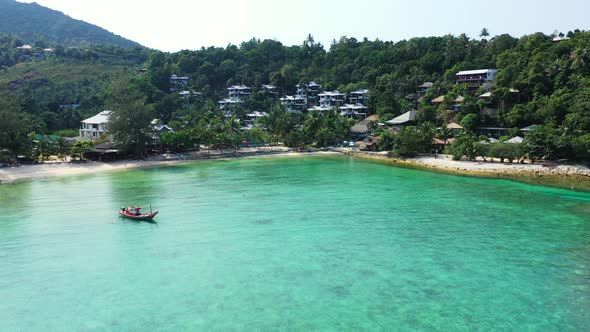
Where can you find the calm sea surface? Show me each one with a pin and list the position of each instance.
(309, 243)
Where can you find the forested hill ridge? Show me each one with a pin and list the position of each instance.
(33, 22)
(541, 80)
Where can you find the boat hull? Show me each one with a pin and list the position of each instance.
(146, 217)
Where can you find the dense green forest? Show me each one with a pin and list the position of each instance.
(552, 79)
(35, 23)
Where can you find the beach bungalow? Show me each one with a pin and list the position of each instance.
(455, 127)
(361, 129)
(495, 132)
(95, 126)
(406, 119)
(103, 152)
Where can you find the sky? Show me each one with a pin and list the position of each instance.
(174, 25)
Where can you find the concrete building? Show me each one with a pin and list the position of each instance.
(178, 83)
(353, 111)
(480, 78)
(239, 92)
(359, 97)
(294, 104)
(95, 126)
(331, 98)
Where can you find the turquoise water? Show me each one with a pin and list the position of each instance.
(308, 243)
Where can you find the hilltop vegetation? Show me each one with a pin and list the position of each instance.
(32, 22)
(552, 80)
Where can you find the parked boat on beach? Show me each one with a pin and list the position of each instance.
(135, 213)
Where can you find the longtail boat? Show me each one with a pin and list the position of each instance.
(134, 212)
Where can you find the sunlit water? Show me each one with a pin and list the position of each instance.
(293, 244)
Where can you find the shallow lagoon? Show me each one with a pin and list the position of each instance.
(308, 243)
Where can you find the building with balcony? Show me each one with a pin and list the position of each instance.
(331, 98)
(228, 104)
(309, 90)
(423, 88)
(190, 95)
(294, 104)
(270, 90)
(353, 111)
(251, 118)
(178, 83)
(320, 109)
(95, 126)
(480, 78)
(239, 92)
(359, 97)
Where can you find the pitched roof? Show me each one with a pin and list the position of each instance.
(442, 142)
(438, 99)
(406, 117)
(454, 125)
(100, 118)
(361, 127)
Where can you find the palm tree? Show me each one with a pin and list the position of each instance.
(444, 133)
(579, 58)
(484, 33)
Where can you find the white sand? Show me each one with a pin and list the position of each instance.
(444, 162)
(28, 172)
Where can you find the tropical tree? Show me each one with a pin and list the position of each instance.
(14, 128)
(130, 119)
(484, 33)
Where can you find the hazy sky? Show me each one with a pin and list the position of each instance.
(173, 25)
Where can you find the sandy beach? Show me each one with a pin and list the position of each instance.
(47, 170)
(575, 177)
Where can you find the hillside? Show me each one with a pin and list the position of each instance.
(32, 22)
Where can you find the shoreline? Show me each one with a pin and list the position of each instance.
(51, 170)
(562, 176)
(575, 178)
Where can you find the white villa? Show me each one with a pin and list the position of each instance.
(239, 91)
(359, 97)
(331, 98)
(229, 103)
(353, 111)
(480, 78)
(312, 89)
(95, 126)
(251, 118)
(270, 89)
(294, 104)
(320, 109)
(189, 95)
